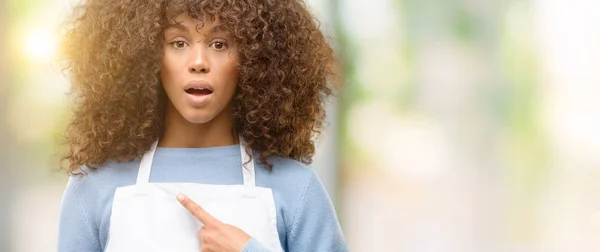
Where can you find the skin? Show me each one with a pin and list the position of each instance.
(215, 235)
(197, 50)
(198, 54)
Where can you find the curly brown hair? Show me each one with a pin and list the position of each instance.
(113, 50)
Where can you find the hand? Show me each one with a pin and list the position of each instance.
(215, 236)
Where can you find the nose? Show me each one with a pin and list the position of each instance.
(199, 61)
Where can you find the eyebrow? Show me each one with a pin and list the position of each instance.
(179, 26)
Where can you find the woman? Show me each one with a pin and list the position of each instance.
(192, 124)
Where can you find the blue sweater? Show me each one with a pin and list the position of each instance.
(306, 219)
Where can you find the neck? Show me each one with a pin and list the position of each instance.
(180, 133)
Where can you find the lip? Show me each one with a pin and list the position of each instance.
(198, 100)
(198, 84)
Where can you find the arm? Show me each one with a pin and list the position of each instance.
(315, 226)
(75, 230)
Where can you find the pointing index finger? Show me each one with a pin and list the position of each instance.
(197, 211)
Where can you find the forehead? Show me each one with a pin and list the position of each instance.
(203, 24)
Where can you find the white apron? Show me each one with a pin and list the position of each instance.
(147, 217)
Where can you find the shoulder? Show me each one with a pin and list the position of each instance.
(292, 182)
(109, 174)
(290, 166)
(96, 186)
(286, 172)
(301, 177)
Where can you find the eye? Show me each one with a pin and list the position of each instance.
(179, 44)
(219, 45)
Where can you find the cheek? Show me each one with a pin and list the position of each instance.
(167, 68)
(231, 69)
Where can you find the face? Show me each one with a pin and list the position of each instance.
(199, 69)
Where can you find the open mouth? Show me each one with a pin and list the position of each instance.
(198, 91)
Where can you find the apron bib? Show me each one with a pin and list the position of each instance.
(147, 217)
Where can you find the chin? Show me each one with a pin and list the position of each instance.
(196, 117)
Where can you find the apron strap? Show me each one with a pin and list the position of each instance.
(146, 165)
(247, 169)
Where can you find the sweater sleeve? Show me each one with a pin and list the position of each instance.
(254, 245)
(316, 226)
(75, 230)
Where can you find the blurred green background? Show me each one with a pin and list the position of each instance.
(465, 125)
